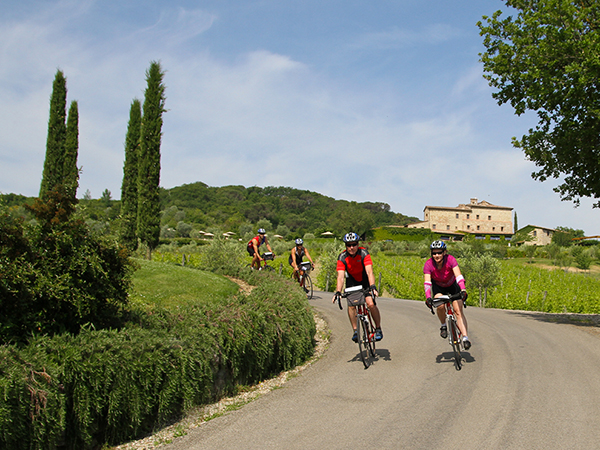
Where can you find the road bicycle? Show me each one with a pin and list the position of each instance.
(365, 327)
(266, 256)
(454, 334)
(304, 278)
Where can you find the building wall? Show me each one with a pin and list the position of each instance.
(541, 236)
(475, 217)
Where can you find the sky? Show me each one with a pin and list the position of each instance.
(380, 101)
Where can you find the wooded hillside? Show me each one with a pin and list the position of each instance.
(188, 209)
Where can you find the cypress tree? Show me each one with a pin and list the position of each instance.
(70, 173)
(57, 131)
(129, 187)
(148, 223)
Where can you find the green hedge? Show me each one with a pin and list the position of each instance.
(109, 386)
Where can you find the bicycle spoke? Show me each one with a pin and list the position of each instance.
(455, 340)
(309, 286)
(362, 350)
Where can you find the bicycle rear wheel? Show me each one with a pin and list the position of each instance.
(308, 286)
(455, 341)
(362, 341)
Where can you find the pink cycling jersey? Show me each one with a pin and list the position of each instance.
(443, 277)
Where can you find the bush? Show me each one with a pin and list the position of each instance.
(112, 386)
(56, 275)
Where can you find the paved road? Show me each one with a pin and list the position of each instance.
(527, 383)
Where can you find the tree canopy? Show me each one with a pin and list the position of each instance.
(546, 59)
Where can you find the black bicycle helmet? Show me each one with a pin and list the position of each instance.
(437, 245)
(299, 241)
(351, 237)
(261, 231)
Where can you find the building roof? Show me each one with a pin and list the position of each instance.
(469, 207)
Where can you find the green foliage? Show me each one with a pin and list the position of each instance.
(403, 234)
(56, 276)
(327, 261)
(297, 210)
(544, 58)
(110, 386)
(483, 273)
(563, 236)
(129, 186)
(57, 131)
(70, 172)
(518, 287)
(148, 212)
(582, 257)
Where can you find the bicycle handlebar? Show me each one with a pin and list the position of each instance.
(366, 291)
(435, 302)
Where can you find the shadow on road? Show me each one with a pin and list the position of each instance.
(449, 357)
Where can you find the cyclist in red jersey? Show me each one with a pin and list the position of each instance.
(253, 246)
(356, 266)
(442, 276)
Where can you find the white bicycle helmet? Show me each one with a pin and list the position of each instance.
(299, 241)
(438, 245)
(351, 237)
(261, 231)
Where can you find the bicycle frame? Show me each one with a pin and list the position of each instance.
(364, 323)
(454, 333)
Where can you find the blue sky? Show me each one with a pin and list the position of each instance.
(358, 100)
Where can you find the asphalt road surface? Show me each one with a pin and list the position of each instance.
(526, 383)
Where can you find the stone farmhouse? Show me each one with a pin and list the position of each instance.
(478, 218)
(539, 235)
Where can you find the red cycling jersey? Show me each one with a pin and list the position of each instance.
(355, 265)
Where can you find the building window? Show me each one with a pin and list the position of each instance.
(468, 227)
(489, 217)
(501, 228)
(447, 227)
(493, 228)
(468, 216)
(457, 215)
(534, 233)
(477, 216)
(477, 227)
(433, 226)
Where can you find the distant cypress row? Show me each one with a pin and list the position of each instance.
(57, 131)
(148, 218)
(129, 187)
(62, 142)
(70, 173)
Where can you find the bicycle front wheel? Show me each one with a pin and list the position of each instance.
(362, 341)
(370, 333)
(455, 341)
(308, 286)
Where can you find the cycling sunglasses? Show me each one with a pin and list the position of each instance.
(351, 244)
(437, 252)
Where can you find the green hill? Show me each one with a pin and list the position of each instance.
(191, 208)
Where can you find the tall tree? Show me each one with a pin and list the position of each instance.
(70, 173)
(129, 187)
(546, 60)
(148, 223)
(57, 130)
(516, 225)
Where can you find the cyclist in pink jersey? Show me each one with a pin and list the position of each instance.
(442, 276)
